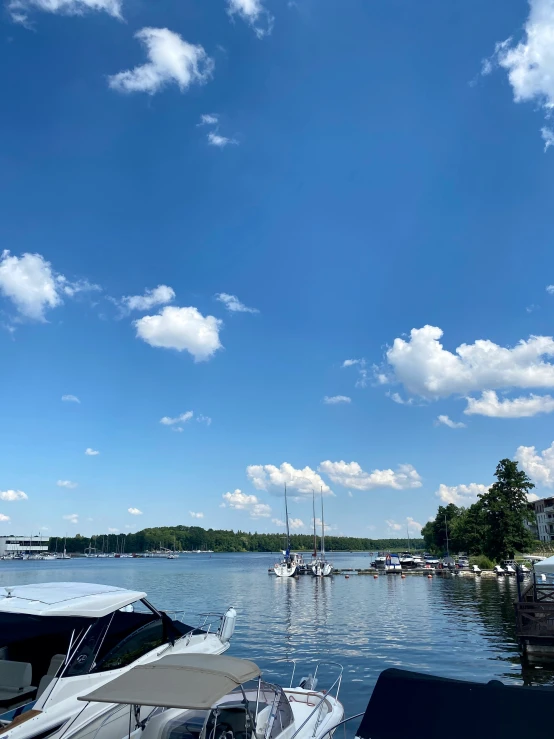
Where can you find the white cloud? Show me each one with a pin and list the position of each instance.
(113, 531)
(426, 369)
(393, 525)
(214, 139)
(204, 419)
(183, 418)
(233, 304)
(33, 287)
(72, 518)
(446, 421)
(296, 523)
(350, 495)
(158, 296)
(397, 398)
(4, 519)
(12, 495)
(209, 119)
(183, 329)
(539, 466)
(461, 495)
(91, 452)
(240, 501)
(550, 289)
(414, 525)
(328, 526)
(278, 522)
(254, 13)
(196, 515)
(362, 370)
(20, 8)
(66, 484)
(134, 511)
(336, 399)
(273, 479)
(548, 137)
(170, 59)
(352, 362)
(532, 497)
(490, 405)
(351, 475)
(70, 399)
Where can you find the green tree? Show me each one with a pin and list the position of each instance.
(435, 533)
(505, 512)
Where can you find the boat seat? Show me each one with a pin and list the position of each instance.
(15, 680)
(55, 663)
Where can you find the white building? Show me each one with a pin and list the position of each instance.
(23, 544)
(544, 512)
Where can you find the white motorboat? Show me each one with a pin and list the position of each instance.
(392, 563)
(208, 697)
(320, 567)
(475, 569)
(61, 639)
(288, 565)
(499, 570)
(510, 567)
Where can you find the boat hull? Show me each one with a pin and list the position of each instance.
(285, 569)
(321, 569)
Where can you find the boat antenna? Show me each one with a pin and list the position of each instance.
(446, 524)
(322, 526)
(315, 535)
(287, 520)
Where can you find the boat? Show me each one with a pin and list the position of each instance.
(321, 568)
(510, 567)
(210, 697)
(392, 564)
(287, 566)
(475, 569)
(497, 569)
(60, 639)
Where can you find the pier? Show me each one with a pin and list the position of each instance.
(535, 622)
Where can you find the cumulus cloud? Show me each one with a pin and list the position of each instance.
(20, 8)
(461, 495)
(157, 296)
(134, 511)
(33, 287)
(215, 139)
(328, 526)
(538, 465)
(351, 475)
(209, 119)
(66, 484)
(490, 405)
(273, 479)
(548, 137)
(183, 329)
(336, 399)
(170, 59)
(240, 501)
(393, 525)
(397, 398)
(352, 362)
(12, 495)
(550, 289)
(196, 515)
(72, 518)
(360, 364)
(204, 419)
(91, 452)
(410, 524)
(254, 13)
(426, 369)
(446, 421)
(414, 525)
(113, 531)
(4, 518)
(530, 63)
(183, 418)
(70, 399)
(233, 304)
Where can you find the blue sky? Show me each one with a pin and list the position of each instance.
(260, 242)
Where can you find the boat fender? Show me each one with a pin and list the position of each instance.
(227, 628)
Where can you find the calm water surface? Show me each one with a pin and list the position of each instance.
(456, 627)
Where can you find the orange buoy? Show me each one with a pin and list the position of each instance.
(346, 577)
(375, 577)
(429, 577)
(403, 577)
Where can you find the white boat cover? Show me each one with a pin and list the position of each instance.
(546, 567)
(195, 681)
(66, 599)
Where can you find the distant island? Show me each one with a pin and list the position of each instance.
(191, 538)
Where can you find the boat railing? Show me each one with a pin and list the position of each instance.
(318, 708)
(216, 620)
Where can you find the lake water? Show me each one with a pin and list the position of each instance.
(455, 627)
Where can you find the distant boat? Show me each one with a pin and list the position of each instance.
(321, 568)
(287, 566)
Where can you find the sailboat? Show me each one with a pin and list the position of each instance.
(321, 568)
(287, 566)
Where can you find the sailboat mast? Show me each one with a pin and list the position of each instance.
(287, 519)
(322, 528)
(315, 535)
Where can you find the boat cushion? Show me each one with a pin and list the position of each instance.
(15, 675)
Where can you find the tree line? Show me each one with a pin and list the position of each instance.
(496, 526)
(187, 538)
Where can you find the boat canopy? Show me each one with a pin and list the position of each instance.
(81, 599)
(546, 567)
(194, 681)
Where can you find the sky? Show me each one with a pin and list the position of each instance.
(246, 243)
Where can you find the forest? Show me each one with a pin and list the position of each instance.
(187, 538)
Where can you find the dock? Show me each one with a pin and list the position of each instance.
(534, 611)
(421, 572)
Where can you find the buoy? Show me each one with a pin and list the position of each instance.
(375, 577)
(346, 577)
(403, 577)
(429, 577)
